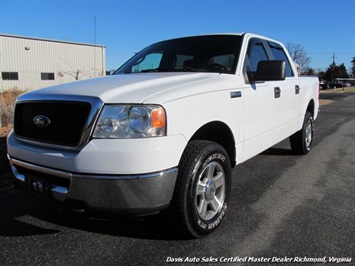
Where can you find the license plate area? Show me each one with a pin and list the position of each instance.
(42, 182)
(37, 184)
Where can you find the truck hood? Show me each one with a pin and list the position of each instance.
(127, 88)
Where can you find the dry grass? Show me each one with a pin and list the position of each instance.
(7, 103)
(340, 90)
(4, 131)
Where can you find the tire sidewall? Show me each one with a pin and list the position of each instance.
(212, 153)
(308, 118)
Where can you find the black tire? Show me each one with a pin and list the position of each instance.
(202, 189)
(301, 141)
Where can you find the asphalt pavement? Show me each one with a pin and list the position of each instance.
(284, 210)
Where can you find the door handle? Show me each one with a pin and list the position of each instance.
(236, 94)
(277, 92)
(297, 89)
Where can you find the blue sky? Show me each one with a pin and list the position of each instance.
(322, 27)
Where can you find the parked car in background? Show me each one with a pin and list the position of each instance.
(323, 84)
(337, 84)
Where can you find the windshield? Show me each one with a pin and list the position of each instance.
(215, 53)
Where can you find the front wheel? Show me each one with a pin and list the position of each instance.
(203, 188)
(301, 141)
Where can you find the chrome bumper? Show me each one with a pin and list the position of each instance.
(131, 194)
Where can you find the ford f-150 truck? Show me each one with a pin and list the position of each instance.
(166, 129)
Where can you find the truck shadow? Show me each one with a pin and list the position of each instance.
(25, 214)
(278, 151)
(28, 214)
(5, 169)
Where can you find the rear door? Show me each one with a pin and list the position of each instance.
(288, 106)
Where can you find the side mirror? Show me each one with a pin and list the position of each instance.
(268, 71)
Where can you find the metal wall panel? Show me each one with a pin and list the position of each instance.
(30, 57)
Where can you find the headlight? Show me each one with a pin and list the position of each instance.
(131, 121)
(139, 119)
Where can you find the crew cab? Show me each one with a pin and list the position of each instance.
(166, 129)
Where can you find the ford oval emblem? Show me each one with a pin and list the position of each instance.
(41, 121)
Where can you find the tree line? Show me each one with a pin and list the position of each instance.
(300, 57)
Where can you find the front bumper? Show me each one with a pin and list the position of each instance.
(103, 156)
(126, 194)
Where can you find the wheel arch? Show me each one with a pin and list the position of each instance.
(220, 133)
(310, 107)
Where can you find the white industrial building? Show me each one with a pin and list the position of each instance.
(31, 63)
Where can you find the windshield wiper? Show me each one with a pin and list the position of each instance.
(191, 69)
(150, 70)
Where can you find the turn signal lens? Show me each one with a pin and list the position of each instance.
(158, 118)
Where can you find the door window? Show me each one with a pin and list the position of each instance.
(255, 53)
(279, 54)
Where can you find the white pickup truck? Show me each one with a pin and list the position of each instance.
(165, 129)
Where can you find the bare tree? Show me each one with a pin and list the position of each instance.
(299, 55)
(76, 73)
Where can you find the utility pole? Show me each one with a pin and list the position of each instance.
(95, 46)
(333, 66)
